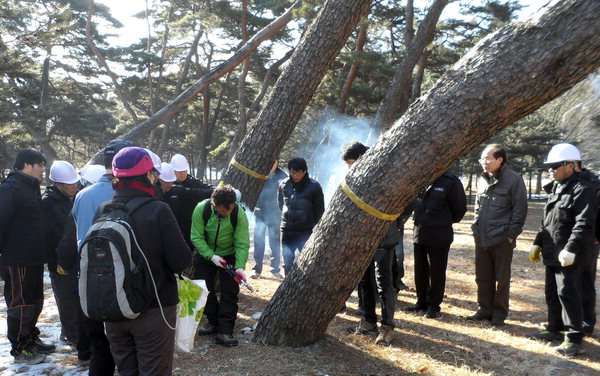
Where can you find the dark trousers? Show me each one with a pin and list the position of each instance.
(24, 296)
(260, 229)
(564, 301)
(398, 262)
(67, 302)
(144, 346)
(101, 361)
(378, 280)
(431, 262)
(290, 242)
(492, 275)
(221, 313)
(588, 291)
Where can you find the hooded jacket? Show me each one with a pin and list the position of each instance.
(500, 207)
(302, 204)
(569, 217)
(218, 237)
(23, 224)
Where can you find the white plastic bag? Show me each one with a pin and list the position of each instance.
(192, 299)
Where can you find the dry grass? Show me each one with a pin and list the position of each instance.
(449, 345)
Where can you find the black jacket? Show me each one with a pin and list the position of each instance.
(302, 204)
(23, 225)
(159, 236)
(595, 181)
(182, 202)
(437, 208)
(58, 206)
(266, 208)
(569, 217)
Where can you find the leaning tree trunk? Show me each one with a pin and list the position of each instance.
(291, 93)
(506, 76)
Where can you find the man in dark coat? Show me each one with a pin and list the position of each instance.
(566, 240)
(436, 209)
(24, 245)
(302, 204)
(267, 218)
(58, 202)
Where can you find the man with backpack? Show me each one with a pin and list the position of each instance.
(143, 345)
(220, 234)
(23, 245)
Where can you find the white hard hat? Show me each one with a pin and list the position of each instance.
(92, 173)
(167, 173)
(179, 163)
(562, 153)
(155, 160)
(63, 172)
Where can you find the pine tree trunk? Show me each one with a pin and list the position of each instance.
(506, 76)
(292, 92)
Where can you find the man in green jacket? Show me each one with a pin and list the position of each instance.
(220, 234)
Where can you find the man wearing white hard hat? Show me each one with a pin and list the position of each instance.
(182, 168)
(58, 202)
(565, 241)
(181, 199)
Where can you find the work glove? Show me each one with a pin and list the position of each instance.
(241, 273)
(218, 261)
(60, 270)
(534, 253)
(566, 258)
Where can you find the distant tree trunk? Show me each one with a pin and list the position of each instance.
(398, 95)
(358, 58)
(418, 81)
(311, 59)
(507, 76)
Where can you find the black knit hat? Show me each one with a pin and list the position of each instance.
(29, 156)
(113, 148)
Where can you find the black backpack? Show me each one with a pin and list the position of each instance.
(115, 282)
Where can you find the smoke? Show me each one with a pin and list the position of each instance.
(334, 131)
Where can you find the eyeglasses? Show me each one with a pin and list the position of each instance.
(486, 160)
(556, 166)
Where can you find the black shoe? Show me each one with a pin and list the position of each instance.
(478, 316)
(402, 287)
(414, 308)
(207, 329)
(226, 340)
(37, 345)
(432, 313)
(497, 322)
(364, 327)
(549, 336)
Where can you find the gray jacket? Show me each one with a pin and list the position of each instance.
(500, 208)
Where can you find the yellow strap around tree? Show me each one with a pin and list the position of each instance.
(248, 171)
(364, 206)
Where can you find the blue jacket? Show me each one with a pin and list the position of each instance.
(87, 202)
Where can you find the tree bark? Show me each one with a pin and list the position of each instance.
(397, 96)
(506, 76)
(311, 59)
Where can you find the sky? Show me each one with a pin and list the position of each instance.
(135, 28)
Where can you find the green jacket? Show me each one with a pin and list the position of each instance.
(228, 242)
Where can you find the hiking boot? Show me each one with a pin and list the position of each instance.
(479, 316)
(364, 327)
(432, 313)
(569, 348)
(226, 340)
(29, 356)
(497, 322)
(546, 335)
(207, 329)
(255, 275)
(83, 362)
(385, 335)
(278, 276)
(37, 345)
(414, 308)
